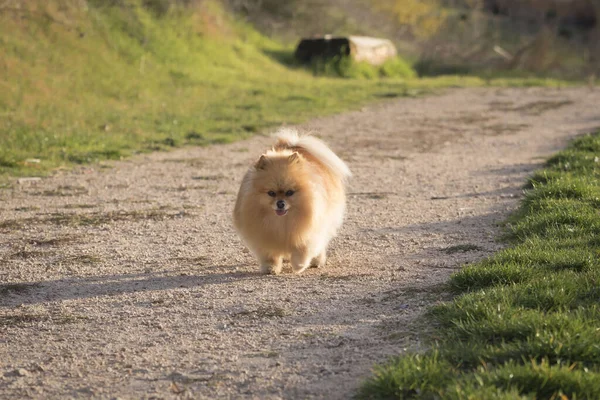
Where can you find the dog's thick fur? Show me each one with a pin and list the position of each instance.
(291, 203)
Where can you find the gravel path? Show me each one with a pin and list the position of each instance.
(127, 280)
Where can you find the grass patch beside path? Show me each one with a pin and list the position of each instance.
(82, 84)
(526, 322)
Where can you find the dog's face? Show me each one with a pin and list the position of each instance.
(281, 183)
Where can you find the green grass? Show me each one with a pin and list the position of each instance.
(526, 322)
(81, 85)
(345, 67)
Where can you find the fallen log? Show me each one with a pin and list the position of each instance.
(374, 51)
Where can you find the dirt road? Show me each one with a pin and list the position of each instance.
(126, 280)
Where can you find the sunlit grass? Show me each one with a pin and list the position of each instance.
(525, 321)
(80, 85)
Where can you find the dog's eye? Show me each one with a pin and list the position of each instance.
(271, 193)
(289, 193)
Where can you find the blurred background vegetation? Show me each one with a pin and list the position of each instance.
(87, 80)
(559, 38)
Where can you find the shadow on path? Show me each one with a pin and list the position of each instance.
(111, 285)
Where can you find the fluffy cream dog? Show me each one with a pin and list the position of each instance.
(291, 203)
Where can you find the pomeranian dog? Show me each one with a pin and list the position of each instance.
(291, 203)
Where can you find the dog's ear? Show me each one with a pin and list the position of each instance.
(262, 162)
(294, 158)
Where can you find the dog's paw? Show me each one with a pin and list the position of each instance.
(298, 269)
(319, 261)
(270, 269)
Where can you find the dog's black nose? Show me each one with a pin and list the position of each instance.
(280, 204)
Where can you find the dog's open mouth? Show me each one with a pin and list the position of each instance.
(280, 212)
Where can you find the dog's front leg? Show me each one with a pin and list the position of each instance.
(270, 265)
(300, 260)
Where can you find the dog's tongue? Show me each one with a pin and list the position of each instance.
(280, 212)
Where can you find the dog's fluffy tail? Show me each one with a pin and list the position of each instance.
(289, 138)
